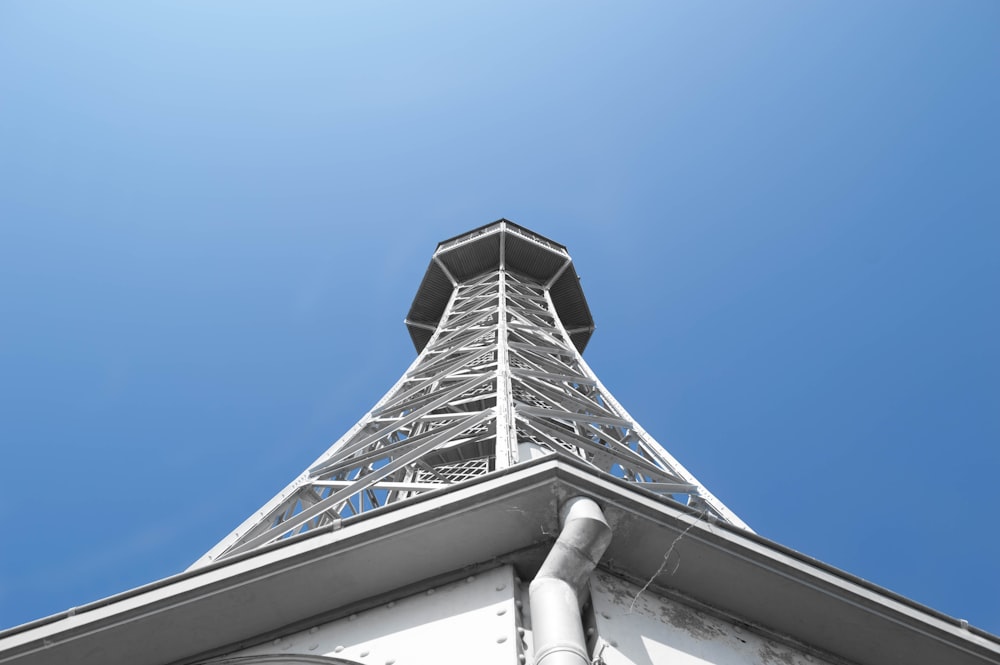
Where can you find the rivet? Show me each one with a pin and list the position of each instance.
(391, 604)
(277, 641)
(963, 623)
(338, 648)
(312, 631)
(501, 587)
(430, 592)
(470, 579)
(390, 661)
(590, 631)
(613, 643)
(605, 615)
(521, 658)
(520, 631)
(501, 639)
(518, 604)
(286, 646)
(312, 647)
(501, 611)
(352, 617)
(737, 629)
(365, 653)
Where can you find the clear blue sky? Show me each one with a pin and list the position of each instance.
(214, 215)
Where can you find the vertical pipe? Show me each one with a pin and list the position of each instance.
(556, 592)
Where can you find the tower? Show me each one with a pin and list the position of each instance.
(499, 323)
(498, 505)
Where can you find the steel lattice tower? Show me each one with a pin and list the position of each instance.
(499, 323)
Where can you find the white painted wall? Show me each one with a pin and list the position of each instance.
(475, 620)
(478, 620)
(646, 629)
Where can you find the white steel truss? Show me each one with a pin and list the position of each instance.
(499, 381)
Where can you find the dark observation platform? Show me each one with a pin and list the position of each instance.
(521, 252)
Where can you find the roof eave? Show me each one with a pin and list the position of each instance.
(501, 517)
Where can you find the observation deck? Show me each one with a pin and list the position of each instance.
(488, 248)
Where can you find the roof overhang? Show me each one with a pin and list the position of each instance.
(509, 516)
(485, 249)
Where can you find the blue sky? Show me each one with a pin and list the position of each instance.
(214, 216)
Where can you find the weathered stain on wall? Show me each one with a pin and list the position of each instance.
(634, 628)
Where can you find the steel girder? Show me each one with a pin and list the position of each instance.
(499, 381)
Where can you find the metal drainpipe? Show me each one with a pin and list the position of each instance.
(556, 592)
